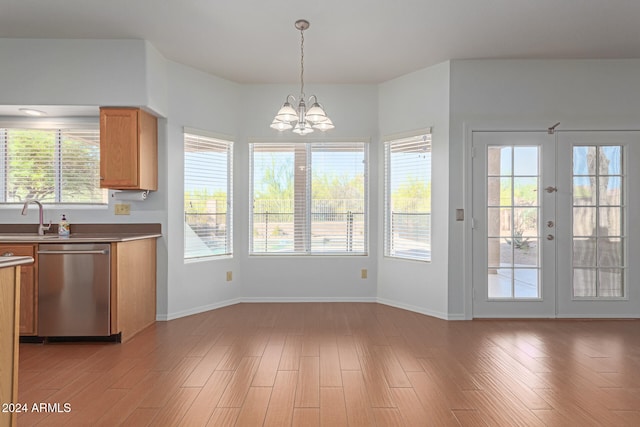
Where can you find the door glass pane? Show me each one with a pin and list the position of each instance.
(525, 191)
(610, 282)
(584, 160)
(499, 222)
(526, 283)
(499, 161)
(610, 219)
(598, 213)
(499, 191)
(500, 253)
(610, 252)
(525, 222)
(513, 215)
(525, 161)
(584, 191)
(610, 190)
(525, 253)
(584, 252)
(584, 282)
(584, 221)
(610, 160)
(500, 283)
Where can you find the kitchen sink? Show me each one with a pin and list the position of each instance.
(26, 236)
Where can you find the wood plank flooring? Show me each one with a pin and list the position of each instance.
(341, 364)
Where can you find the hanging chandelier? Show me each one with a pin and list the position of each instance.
(302, 121)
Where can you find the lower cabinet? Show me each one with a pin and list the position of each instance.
(133, 286)
(9, 301)
(28, 288)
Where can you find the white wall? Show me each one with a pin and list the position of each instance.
(200, 101)
(72, 72)
(526, 94)
(353, 109)
(416, 101)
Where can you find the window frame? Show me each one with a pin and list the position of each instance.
(386, 202)
(60, 126)
(228, 236)
(308, 198)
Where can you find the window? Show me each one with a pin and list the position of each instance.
(207, 196)
(51, 165)
(309, 198)
(407, 197)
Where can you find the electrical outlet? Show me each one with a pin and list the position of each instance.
(363, 273)
(229, 276)
(123, 209)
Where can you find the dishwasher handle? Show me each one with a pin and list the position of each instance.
(71, 252)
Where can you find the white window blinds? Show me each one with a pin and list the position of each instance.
(207, 196)
(80, 174)
(309, 198)
(408, 198)
(51, 165)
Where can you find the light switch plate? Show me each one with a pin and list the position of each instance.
(363, 273)
(229, 276)
(123, 209)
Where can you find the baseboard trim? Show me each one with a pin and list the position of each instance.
(631, 316)
(307, 299)
(221, 304)
(197, 310)
(561, 316)
(414, 308)
(391, 303)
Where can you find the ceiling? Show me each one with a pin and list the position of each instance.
(349, 41)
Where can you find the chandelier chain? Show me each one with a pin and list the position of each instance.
(302, 63)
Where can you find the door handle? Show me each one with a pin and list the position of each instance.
(551, 189)
(550, 237)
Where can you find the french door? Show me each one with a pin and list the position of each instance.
(551, 232)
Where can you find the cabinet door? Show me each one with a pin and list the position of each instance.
(119, 148)
(28, 301)
(28, 290)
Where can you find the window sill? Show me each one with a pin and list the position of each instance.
(57, 206)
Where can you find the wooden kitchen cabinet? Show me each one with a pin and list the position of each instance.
(128, 149)
(9, 349)
(28, 288)
(133, 286)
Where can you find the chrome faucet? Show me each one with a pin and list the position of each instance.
(41, 227)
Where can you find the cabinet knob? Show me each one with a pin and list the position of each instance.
(7, 254)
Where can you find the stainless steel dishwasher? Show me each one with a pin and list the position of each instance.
(74, 290)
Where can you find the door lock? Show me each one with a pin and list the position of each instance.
(550, 224)
(550, 237)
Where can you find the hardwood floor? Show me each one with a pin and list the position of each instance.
(339, 364)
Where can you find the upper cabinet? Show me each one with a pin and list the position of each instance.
(128, 149)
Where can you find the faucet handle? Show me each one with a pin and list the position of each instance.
(42, 228)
